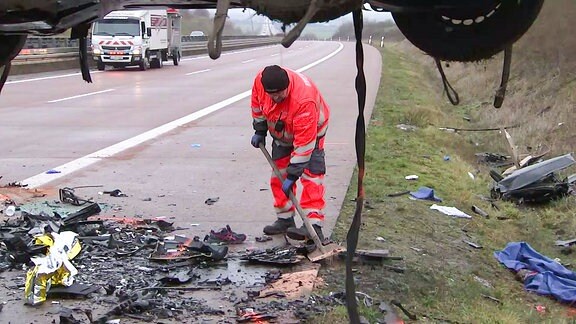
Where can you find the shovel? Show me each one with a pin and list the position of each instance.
(322, 251)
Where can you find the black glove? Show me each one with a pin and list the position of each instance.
(257, 139)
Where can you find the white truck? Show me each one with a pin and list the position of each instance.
(144, 38)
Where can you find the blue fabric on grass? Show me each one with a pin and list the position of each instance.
(425, 193)
(548, 278)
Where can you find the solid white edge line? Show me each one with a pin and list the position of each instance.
(248, 61)
(87, 160)
(82, 95)
(48, 77)
(197, 72)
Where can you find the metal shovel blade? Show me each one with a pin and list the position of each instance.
(327, 251)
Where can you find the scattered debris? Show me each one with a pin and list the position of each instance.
(276, 255)
(250, 315)
(450, 211)
(380, 239)
(480, 212)
(53, 171)
(408, 128)
(565, 243)
(67, 195)
(425, 193)
(211, 201)
(494, 299)
(492, 159)
(398, 194)
(114, 193)
(411, 177)
(472, 244)
(263, 238)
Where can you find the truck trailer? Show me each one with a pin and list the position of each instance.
(144, 38)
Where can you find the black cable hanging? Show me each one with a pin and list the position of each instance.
(450, 92)
(501, 92)
(360, 140)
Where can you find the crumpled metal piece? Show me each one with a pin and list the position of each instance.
(53, 269)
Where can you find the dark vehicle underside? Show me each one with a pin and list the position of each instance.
(456, 30)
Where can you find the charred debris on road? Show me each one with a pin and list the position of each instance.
(137, 268)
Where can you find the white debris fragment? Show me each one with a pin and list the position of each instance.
(450, 211)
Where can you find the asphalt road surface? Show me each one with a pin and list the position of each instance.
(178, 135)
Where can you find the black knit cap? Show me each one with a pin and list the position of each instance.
(274, 79)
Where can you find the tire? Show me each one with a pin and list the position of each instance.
(176, 58)
(445, 36)
(156, 63)
(144, 64)
(100, 66)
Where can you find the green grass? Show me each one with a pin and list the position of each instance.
(440, 281)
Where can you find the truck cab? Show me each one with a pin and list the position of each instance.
(144, 38)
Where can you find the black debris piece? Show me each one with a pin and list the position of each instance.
(67, 195)
(281, 255)
(211, 201)
(115, 193)
(76, 289)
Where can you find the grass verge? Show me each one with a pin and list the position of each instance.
(445, 279)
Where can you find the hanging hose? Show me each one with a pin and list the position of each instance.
(5, 73)
(450, 92)
(313, 9)
(215, 38)
(501, 92)
(360, 139)
(80, 32)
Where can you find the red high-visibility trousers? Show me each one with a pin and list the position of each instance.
(312, 200)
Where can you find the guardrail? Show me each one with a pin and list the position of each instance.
(50, 59)
(36, 55)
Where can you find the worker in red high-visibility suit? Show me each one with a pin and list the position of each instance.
(288, 105)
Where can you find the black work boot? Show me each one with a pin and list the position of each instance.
(279, 226)
(301, 233)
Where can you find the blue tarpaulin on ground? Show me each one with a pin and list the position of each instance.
(548, 278)
(425, 193)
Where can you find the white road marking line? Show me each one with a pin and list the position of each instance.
(228, 53)
(49, 77)
(248, 61)
(82, 95)
(87, 160)
(275, 54)
(197, 72)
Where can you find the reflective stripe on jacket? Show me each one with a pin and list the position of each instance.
(304, 112)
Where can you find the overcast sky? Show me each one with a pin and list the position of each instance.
(239, 14)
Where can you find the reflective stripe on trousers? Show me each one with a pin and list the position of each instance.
(312, 199)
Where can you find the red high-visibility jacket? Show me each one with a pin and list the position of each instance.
(304, 112)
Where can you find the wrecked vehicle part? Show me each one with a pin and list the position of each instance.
(67, 195)
(534, 173)
(82, 214)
